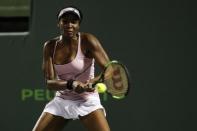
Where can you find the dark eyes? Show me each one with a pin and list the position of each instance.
(70, 21)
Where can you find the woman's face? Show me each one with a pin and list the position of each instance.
(69, 25)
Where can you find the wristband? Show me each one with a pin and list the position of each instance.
(69, 84)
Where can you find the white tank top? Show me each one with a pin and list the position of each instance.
(80, 68)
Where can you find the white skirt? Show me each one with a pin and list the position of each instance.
(70, 109)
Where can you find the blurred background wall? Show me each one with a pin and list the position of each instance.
(155, 39)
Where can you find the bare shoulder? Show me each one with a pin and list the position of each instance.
(94, 49)
(49, 45)
(89, 39)
(88, 36)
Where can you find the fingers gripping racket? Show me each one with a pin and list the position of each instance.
(116, 78)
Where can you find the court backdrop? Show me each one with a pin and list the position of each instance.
(154, 39)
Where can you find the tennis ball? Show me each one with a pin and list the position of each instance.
(101, 87)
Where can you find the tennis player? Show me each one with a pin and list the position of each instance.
(68, 65)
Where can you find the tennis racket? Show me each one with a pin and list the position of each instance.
(116, 78)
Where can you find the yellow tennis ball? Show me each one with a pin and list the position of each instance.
(101, 87)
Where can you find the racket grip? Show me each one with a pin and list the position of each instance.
(91, 85)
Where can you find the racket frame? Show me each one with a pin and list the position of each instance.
(102, 76)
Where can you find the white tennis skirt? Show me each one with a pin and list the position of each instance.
(70, 109)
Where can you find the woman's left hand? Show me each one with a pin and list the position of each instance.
(80, 87)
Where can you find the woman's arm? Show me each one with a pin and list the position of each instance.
(50, 76)
(97, 52)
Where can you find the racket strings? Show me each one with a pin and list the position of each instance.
(117, 83)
